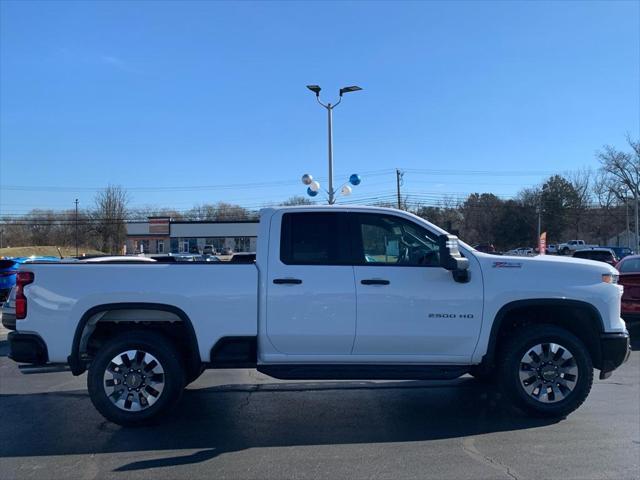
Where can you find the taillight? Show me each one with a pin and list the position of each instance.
(22, 279)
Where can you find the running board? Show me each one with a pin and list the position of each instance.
(363, 372)
(51, 368)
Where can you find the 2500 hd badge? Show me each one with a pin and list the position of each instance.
(451, 315)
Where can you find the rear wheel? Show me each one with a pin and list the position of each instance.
(546, 370)
(135, 377)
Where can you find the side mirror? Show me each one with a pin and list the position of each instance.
(451, 259)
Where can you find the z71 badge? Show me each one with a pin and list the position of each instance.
(507, 264)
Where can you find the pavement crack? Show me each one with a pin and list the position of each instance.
(247, 400)
(469, 447)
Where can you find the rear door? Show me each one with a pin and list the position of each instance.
(311, 296)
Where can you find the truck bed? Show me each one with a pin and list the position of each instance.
(220, 299)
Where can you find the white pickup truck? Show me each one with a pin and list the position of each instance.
(572, 246)
(335, 293)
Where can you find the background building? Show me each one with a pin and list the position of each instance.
(164, 235)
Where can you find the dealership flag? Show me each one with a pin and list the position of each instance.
(542, 243)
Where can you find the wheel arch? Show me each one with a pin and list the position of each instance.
(579, 317)
(98, 312)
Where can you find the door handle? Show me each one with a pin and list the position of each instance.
(375, 281)
(287, 281)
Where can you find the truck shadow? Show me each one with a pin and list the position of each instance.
(232, 418)
(634, 333)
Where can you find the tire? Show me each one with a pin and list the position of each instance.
(126, 397)
(555, 383)
(565, 251)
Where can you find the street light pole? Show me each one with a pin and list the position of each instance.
(316, 89)
(332, 199)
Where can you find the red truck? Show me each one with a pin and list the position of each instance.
(629, 268)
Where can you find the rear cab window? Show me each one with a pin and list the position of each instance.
(315, 238)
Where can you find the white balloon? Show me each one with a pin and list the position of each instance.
(307, 179)
(346, 190)
(314, 186)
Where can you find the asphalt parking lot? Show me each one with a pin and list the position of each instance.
(240, 424)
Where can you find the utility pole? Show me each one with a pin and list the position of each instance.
(399, 175)
(626, 209)
(539, 223)
(76, 202)
(636, 244)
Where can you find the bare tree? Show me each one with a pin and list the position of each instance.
(296, 200)
(582, 182)
(621, 174)
(229, 211)
(109, 217)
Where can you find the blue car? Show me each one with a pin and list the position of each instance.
(9, 268)
(621, 252)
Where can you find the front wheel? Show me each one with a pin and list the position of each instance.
(546, 371)
(135, 377)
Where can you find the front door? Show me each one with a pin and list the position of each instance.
(311, 296)
(409, 306)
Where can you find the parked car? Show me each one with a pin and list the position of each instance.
(485, 248)
(599, 254)
(629, 268)
(520, 252)
(209, 250)
(552, 249)
(622, 252)
(9, 311)
(243, 257)
(538, 326)
(573, 246)
(9, 268)
(183, 257)
(118, 259)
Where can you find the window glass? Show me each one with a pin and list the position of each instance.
(631, 265)
(389, 240)
(314, 238)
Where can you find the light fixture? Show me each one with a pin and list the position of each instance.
(352, 88)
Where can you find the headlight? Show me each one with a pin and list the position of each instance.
(610, 278)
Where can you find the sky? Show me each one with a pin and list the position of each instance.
(184, 103)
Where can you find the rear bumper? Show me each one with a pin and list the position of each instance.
(27, 348)
(615, 349)
(4, 293)
(9, 319)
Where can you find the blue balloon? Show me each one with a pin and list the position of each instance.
(311, 193)
(355, 179)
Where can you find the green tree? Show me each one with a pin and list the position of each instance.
(558, 200)
(481, 212)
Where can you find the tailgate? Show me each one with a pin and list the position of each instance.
(631, 283)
